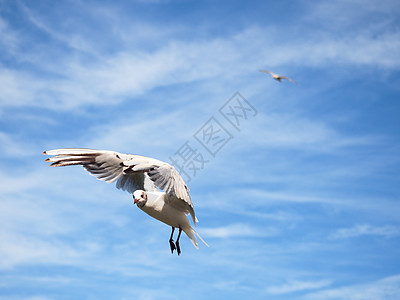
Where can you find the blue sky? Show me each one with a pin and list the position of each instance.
(301, 203)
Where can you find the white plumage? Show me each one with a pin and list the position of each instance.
(140, 176)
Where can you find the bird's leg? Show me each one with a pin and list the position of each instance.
(178, 249)
(171, 241)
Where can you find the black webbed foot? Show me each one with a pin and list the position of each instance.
(171, 241)
(172, 245)
(178, 248)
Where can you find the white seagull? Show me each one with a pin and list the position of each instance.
(141, 176)
(276, 76)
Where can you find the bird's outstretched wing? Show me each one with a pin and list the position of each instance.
(132, 172)
(104, 165)
(287, 78)
(267, 72)
(167, 178)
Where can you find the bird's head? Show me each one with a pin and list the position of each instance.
(140, 198)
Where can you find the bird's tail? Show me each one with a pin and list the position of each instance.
(191, 233)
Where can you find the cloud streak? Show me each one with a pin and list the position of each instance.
(237, 230)
(297, 286)
(110, 78)
(384, 289)
(366, 230)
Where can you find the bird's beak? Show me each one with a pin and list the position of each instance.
(135, 201)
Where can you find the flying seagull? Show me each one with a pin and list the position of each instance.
(276, 76)
(140, 176)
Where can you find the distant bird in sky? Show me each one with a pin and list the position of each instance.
(141, 176)
(276, 76)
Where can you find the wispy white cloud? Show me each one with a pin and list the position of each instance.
(17, 87)
(278, 196)
(59, 279)
(35, 297)
(384, 289)
(366, 229)
(238, 230)
(363, 50)
(112, 77)
(297, 286)
(73, 40)
(65, 232)
(13, 147)
(142, 132)
(33, 227)
(8, 38)
(19, 249)
(344, 13)
(292, 131)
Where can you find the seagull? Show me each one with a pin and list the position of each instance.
(144, 177)
(276, 76)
